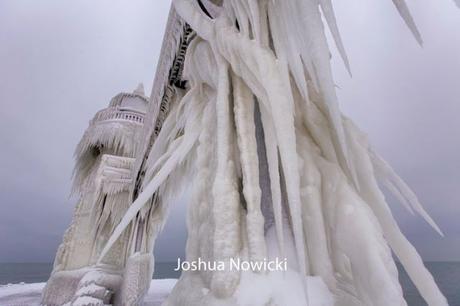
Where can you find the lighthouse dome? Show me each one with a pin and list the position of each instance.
(135, 101)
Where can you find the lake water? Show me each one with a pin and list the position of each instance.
(447, 275)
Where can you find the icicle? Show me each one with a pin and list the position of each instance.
(280, 105)
(246, 135)
(316, 123)
(262, 17)
(402, 248)
(301, 23)
(287, 145)
(162, 141)
(312, 199)
(387, 172)
(312, 214)
(356, 232)
(406, 15)
(226, 205)
(152, 186)
(241, 16)
(168, 140)
(275, 184)
(319, 50)
(173, 146)
(328, 11)
(255, 20)
(286, 45)
(200, 208)
(392, 188)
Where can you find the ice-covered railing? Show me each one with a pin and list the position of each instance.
(117, 113)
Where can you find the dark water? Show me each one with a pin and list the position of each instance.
(446, 274)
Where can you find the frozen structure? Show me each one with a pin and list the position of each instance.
(244, 111)
(103, 178)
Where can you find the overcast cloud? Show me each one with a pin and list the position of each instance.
(61, 61)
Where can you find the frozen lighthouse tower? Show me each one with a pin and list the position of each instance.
(103, 178)
(244, 113)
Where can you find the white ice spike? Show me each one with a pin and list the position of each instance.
(328, 11)
(406, 15)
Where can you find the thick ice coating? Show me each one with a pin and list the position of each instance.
(253, 127)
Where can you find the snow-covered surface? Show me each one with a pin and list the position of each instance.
(21, 294)
(278, 285)
(30, 294)
(282, 289)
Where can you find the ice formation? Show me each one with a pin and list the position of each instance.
(243, 109)
(29, 294)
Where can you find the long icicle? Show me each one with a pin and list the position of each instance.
(328, 11)
(402, 248)
(408, 196)
(274, 173)
(246, 135)
(226, 206)
(406, 15)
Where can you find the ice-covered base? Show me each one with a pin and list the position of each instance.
(30, 294)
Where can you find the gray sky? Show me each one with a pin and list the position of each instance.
(61, 61)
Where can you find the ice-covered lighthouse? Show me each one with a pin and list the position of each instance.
(103, 178)
(243, 111)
